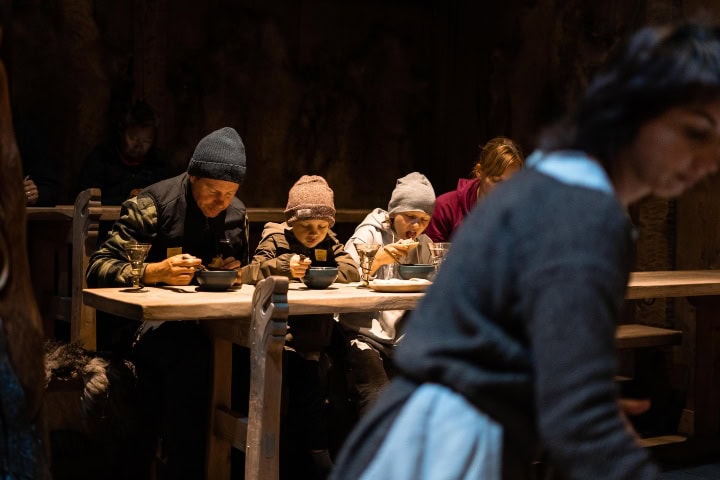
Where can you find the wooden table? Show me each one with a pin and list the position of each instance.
(62, 238)
(246, 317)
(702, 289)
(255, 317)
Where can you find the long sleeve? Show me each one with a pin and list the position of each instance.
(269, 258)
(572, 301)
(347, 267)
(278, 245)
(440, 226)
(108, 266)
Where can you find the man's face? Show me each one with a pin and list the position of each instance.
(212, 196)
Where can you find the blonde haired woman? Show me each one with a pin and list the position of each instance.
(497, 161)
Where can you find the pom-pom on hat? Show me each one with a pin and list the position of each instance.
(310, 199)
(220, 156)
(413, 192)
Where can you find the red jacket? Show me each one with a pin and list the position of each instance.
(450, 210)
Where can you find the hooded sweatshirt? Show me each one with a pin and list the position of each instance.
(450, 210)
(382, 326)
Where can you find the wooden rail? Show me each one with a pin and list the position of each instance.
(254, 214)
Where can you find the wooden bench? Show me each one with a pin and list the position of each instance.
(635, 335)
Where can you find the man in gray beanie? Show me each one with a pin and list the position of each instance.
(220, 155)
(192, 219)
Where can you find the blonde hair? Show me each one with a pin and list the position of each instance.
(496, 156)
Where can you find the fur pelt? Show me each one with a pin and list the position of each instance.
(92, 405)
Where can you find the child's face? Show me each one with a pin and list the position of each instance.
(410, 224)
(310, 232)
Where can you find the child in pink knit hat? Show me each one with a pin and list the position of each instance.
(289, 249)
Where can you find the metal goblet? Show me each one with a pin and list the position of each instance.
(136, 254)
(366, 252)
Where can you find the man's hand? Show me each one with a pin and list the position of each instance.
(632, 406)
(31, 192)
(176, 270)
(230, 263)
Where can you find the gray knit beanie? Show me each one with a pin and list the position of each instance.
(413, 192)
(310, 199)
(220, 156)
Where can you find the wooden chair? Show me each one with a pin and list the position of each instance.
(257, 434)
(86, 221)
(87, 214)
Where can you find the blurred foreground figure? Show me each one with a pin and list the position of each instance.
(21, 356)
(511, 351)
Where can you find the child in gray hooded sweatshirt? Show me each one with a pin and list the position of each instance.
(372, 336)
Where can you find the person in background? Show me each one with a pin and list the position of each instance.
(129, 160)
(289, 249)
(40, 172)
(188, 220)
(372, 336)
(512, 349)
(497, 161)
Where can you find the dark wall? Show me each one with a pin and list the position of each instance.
(358, 91)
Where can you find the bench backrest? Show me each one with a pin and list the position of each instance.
(88, 211)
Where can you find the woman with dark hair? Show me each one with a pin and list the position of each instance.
(511, 351)
(497, 161)
(129, 160)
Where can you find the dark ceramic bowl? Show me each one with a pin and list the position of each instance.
(320, 277)
(416, 270)
(216, 279)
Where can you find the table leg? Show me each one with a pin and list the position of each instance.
(218, 448)
(707, 366)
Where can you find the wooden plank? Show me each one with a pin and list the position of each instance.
(680, 283)
(642, 336)
(182, 303)
(86, 216)
(218, 446)
(254, 214)
(231, 427)
(662, 440)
